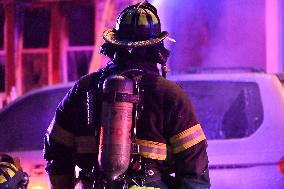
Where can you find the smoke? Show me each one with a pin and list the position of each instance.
(213, 33)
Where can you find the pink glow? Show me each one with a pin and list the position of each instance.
(215, 33)
(274, 46)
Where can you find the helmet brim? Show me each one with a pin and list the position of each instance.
(111, 36)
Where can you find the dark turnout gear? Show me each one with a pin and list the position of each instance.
(169, 136)
(156, 128)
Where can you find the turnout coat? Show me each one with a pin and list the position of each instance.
(170, 137)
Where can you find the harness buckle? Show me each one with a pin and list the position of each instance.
(135, 148)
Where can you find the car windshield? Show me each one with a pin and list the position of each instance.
(226, 109)
(24, 123)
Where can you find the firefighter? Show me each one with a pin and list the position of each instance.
(126, 126)
(11, 174)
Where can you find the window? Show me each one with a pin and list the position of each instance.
(35, 53)
(2, 73)
(81, 25)
(36, 27)
(2, 55)
(234, 113)
(78, 64)
(80, 20)
(35, 68)
(2, 20)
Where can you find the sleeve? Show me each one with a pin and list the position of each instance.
(188, 146)
(59, 141)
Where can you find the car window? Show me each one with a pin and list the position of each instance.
(226, 109)
(24, 123)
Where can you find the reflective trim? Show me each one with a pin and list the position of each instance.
(154, 17)
(142, 187)
(2, 179)
(60, 135)
(143, 20)
(187, 139)
(86, 144)
(151, 149)
(9, 169)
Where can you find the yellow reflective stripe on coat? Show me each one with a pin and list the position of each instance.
(86, 144)
(60, 135)
(142, 187)
(151, 149)
(187, 139)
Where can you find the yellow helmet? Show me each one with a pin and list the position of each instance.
(11, 177)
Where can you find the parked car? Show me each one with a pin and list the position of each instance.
(241, 114)
(23, 124)
(242, 117)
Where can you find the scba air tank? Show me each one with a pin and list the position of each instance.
(115, 135)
